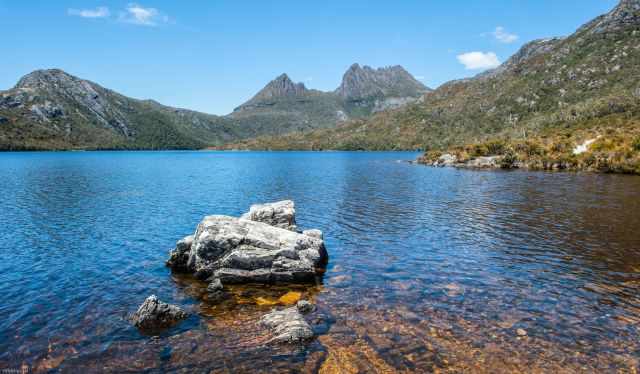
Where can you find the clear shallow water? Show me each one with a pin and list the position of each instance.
(429, 268)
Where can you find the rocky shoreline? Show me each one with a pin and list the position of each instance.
(511, 161)
(263, 246)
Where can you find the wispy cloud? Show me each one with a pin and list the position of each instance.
(139, 15)
(100, 12)
(503, 36)
(479, 60)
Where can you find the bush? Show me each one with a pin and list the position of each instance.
(530, 148)
(496, 147)
(636, 144)
(509, 159)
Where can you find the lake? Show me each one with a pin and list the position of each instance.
(460, 270)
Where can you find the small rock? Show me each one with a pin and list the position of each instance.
(288, 325)
(446, 160)
(305, 307)
(154, 314)
(484, 162)
(521, 332)
(179, 257)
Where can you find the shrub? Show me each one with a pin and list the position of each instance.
(636, 144)
(496, 147)
(509, 159)
(530, 148)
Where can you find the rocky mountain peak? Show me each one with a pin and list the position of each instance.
(44, 78)
(361, 82)
(625, 14)
(282, 86)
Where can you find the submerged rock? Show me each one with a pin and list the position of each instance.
(238, 250)
(215, 291)
(280, 214)
(288, 325)
(154, 314)
(305, 307)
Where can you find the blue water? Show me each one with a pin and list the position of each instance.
(471, 255)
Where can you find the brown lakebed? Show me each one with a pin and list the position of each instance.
(430, 269)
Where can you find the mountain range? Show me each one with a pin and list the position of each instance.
(587, 83)
(50, 109)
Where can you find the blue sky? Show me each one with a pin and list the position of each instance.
(213, 55)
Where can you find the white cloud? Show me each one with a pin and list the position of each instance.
(503, 36)
(420, 77)
(139, 15)
(479, 60)
(100, 12)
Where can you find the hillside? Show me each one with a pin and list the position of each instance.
(582, 84)
(50, 109)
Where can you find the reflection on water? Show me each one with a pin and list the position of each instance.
(430, 269)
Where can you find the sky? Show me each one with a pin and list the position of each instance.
(212, 56)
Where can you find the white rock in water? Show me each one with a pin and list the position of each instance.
(237, 250)
(484, 162)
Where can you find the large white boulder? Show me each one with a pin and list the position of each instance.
(238, 250)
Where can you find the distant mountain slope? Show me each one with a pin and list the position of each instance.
(550, 84)
(50, 109)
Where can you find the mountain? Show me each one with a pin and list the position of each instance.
(379, 89)
(586, 84)
(279, 88)
(50, 109)
(283, 106)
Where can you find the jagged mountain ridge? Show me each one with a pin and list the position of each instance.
(50, 109)
(365, 82)
(283, 106)
(588, 79)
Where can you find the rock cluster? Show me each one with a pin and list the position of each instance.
(154, 314)
(446, 160)
(260, 247)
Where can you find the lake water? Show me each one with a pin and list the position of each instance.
(429, 268)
